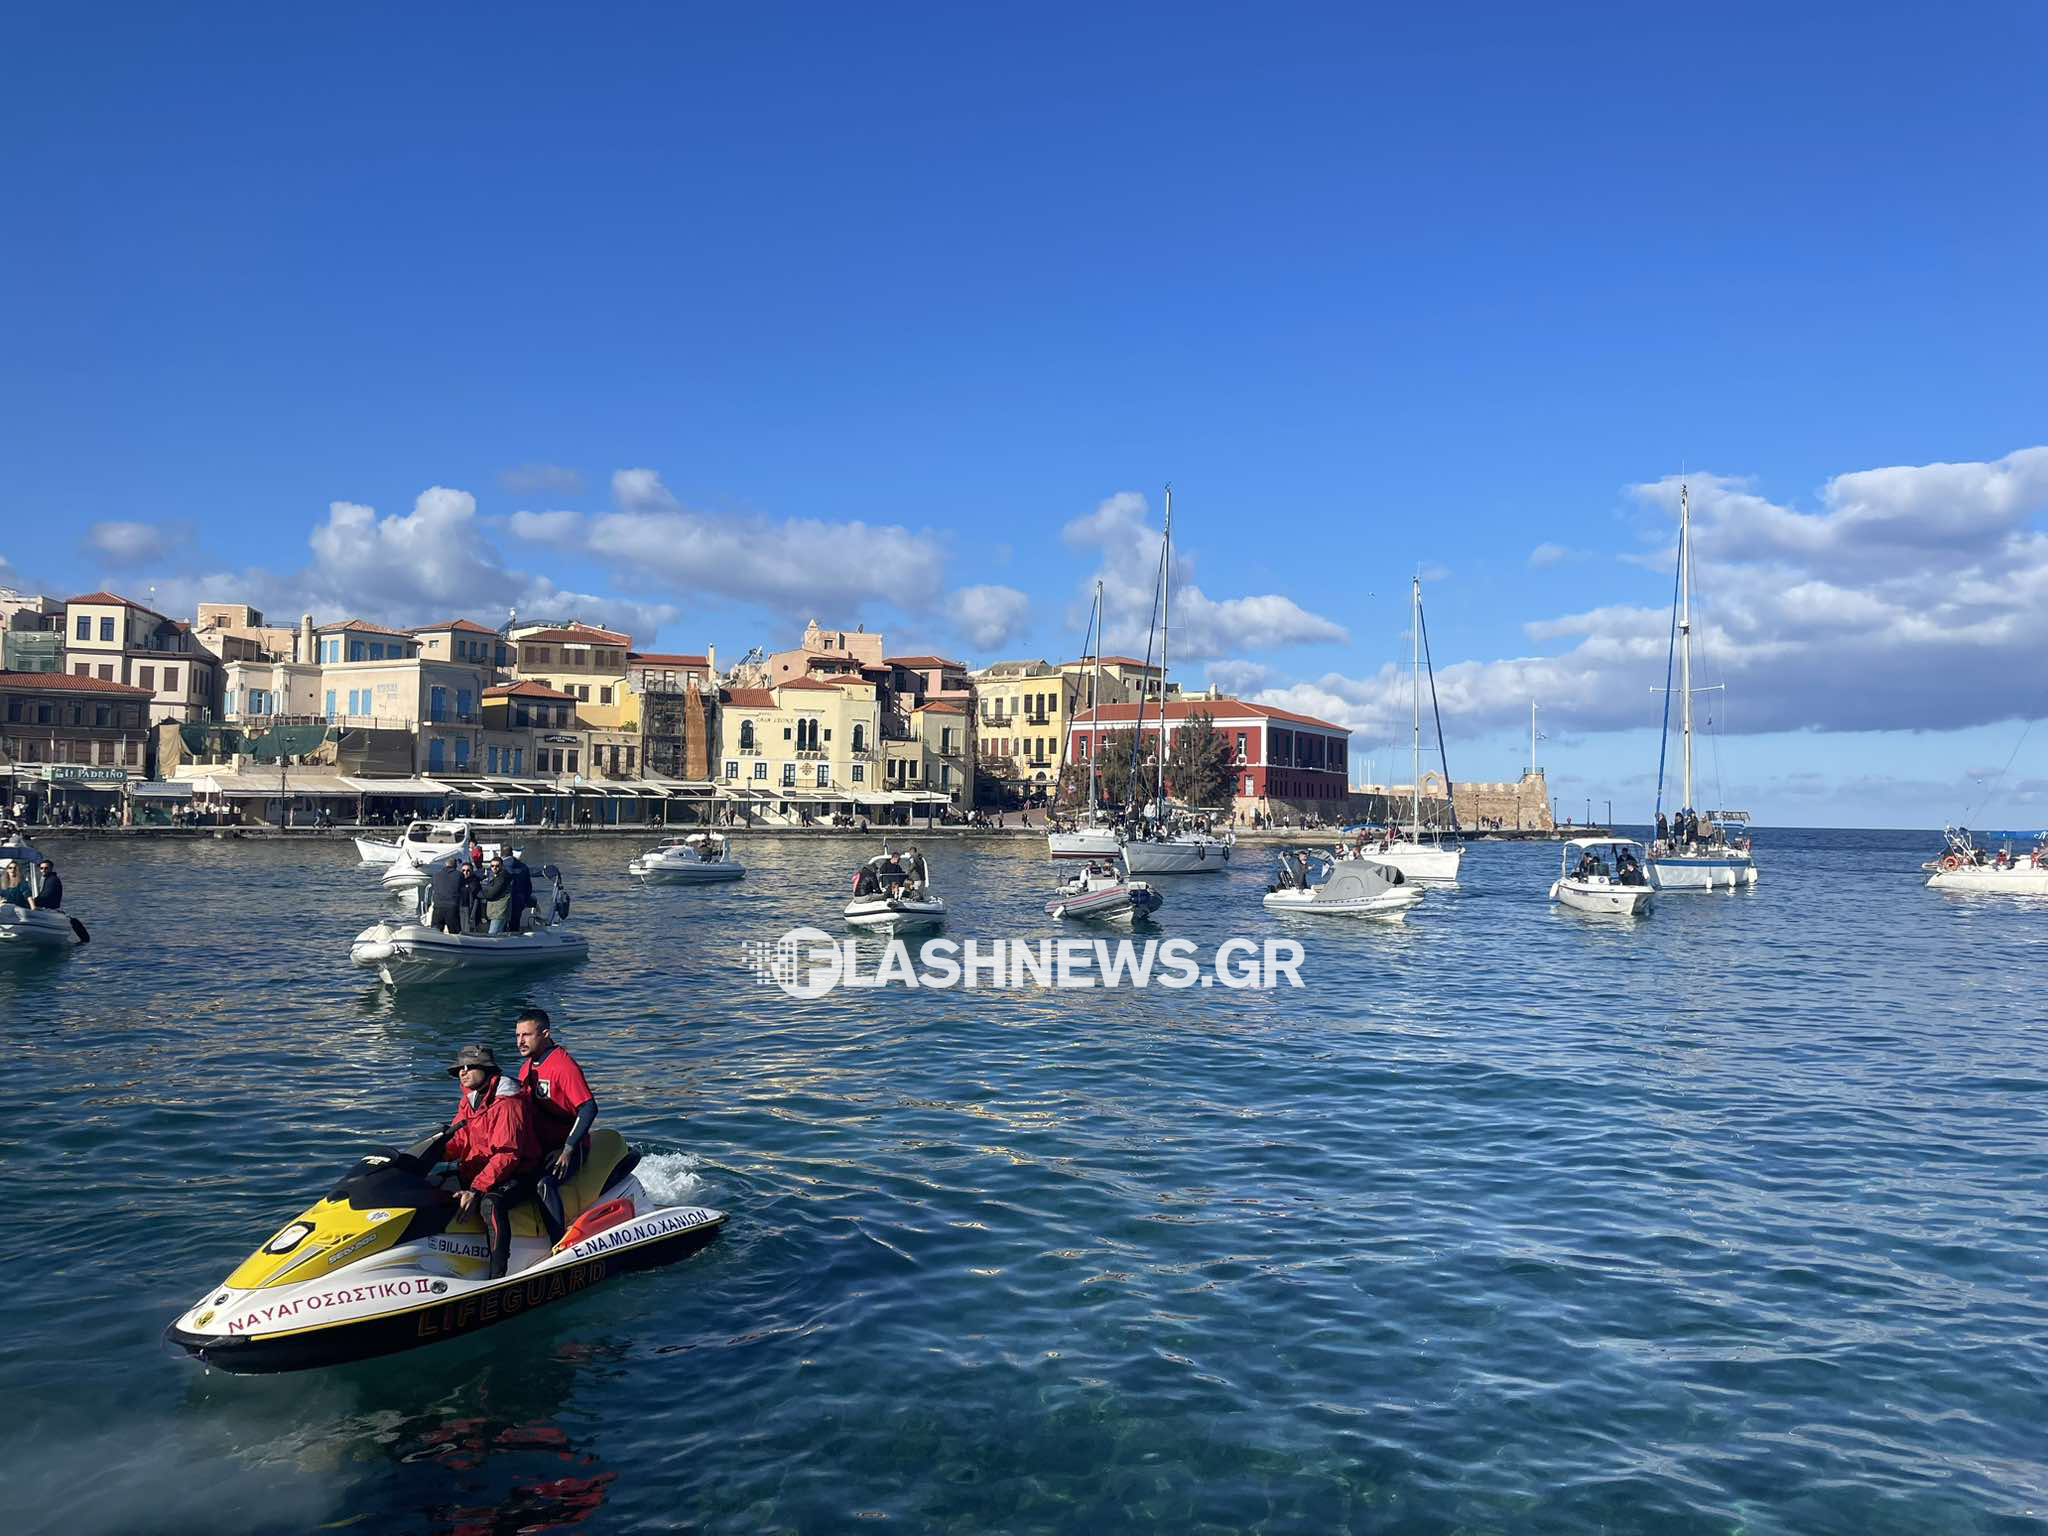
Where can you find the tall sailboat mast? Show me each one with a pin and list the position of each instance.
(1685, 636)
(1165, 606)
(1095, 702)
(1415, 772)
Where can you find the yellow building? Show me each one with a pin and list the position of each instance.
(1022, 710)
(591, 666)
(801, 745)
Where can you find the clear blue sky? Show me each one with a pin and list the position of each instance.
(885, 298)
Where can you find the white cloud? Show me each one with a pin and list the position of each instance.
(563, 528)
(432, 561)
(1121, 533)
(1241, 679)
(1546, 555)
(990, 617)
(800, 565)
(541, 479)
(1914, 599)
(130, 544)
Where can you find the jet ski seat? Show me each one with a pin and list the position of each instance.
(608, 1162)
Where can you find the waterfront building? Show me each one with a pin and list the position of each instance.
(588, 664)
(1282, 763)
(238, 632)
(1022, 710)
(31, 632)
(530, 731)
(804, 745)
(678, 713)
(112, 639)
(375, 677)
(71, 718)
(467, 641)
(827, 653)
(927, 727)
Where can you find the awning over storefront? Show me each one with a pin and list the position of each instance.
(262, 786)
(685, 789)
(416, 788)
(161, 789)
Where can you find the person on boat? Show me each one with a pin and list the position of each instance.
(865, 882)
(1663, 828)
(13, 885)
(444, 889)
(521, 897)
(493, 1145)
(563, 1109)
(471, 908)
(496, 895)
(49, 896)
(1627, 870)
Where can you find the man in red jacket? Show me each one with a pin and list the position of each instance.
(492, 1143)
(563, 1108)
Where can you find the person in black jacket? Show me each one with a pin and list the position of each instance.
(522, 892)
(444, 884)
(49, 896)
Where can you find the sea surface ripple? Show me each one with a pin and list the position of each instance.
(1725, 1220)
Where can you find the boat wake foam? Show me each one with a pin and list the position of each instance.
(671, 1177)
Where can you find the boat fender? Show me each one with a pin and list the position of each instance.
(1951, 862)
(598, 1218)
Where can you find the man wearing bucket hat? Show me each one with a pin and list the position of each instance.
(492, 1143)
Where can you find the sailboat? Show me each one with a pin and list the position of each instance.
(1418, 856)
(1703, 852)
(1165, 844)
(1094, 837)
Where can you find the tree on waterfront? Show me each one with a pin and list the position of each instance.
(1199, 762)
(1071, 793)
(1121, 757)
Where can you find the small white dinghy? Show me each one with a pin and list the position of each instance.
(700, 858)
(407, 952)
(1105, 893)
(892, 892)
(1322, 885)
(25, 929)
(1602, 875)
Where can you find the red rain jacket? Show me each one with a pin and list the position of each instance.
(494, 1143)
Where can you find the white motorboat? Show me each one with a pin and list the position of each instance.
(893, 892)
(1417, 858)
(1966, 866)
(1326, 885)
(406, 951)
(424, 841)
(1104, 892)
(699, 858)
(1709, 852)
(1602, 875)
(29, 929)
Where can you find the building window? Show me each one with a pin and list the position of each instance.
(789, 775)
(82, 669)
(106, 631)
(572, 759)
(732, 769)
(859, 738)
(436, 753)
(583, 693)
(1247, 784)
(824, 775)
(860, 773)
(1240, 746)
(629, 759)
(604, 695)
(760, 768)
(518, 760)
(107, 673)
(462, 703)
(330, 703)
(490, 759)
(462, 752)
(170, 680)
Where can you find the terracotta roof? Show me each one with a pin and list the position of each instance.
(940, 707)
(526, 690)
(467, 626)
(63, 682)
(578, 634)
(114, 597)
(667, 659)
(847, 682)
(809, 682)
(361, 627)
(747, 698)
(925, 661)
(1218, 709)
(1130, 661)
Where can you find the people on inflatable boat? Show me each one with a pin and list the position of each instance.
(563, 1110)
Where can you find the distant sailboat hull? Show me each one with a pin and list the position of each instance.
(1420, 861)
(1189, 854)
(1087, 843)
(2021, 879)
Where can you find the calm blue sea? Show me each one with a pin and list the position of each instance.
(1727, 1220)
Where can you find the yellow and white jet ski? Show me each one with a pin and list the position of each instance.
(386, 1262)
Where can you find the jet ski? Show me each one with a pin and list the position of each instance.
(893, 892)
(1103, 892)
(387, 1262)
(408, 951)
(23, 929)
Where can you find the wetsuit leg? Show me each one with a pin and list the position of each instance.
(547, 1191)
(497, 1218)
